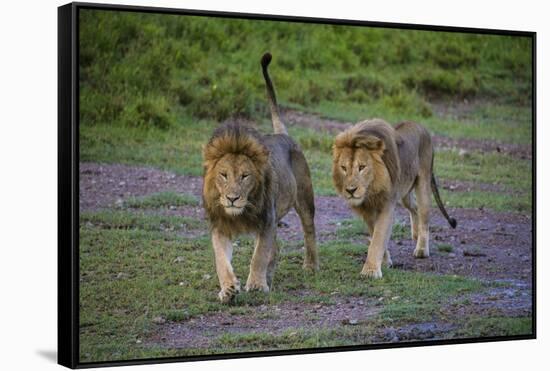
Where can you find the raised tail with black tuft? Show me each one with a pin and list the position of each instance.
(435, 190)
(278, 125)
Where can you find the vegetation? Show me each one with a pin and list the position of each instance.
(153, 88)
(132, 273)
(147, 66)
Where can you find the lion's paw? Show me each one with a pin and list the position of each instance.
(310, 266)
(388, 262)
(421, 253)
(257, 286)
(228, 293)
(371, 273)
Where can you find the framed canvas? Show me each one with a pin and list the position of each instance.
(243, 185)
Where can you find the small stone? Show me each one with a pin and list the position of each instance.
(395, 297)
(181, 283)
(138, 341)
(351, 322)
(122, 183)
(159, 320)
(121, 276)
(451, 255)
(206, 277)
(179, 259)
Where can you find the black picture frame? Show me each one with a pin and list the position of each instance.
(68, 181)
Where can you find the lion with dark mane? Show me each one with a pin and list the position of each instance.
(251, 181)
(375, 166)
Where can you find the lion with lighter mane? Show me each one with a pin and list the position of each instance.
(251, 181)
(375, 166)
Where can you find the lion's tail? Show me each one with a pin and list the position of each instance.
(278, 125)
(435, 190)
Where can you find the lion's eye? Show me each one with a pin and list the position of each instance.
(343, 168)
(361, 167)
(244, 176)
(224, 176)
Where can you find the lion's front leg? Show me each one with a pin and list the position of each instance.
(223, 251)
(262, 264)
(378, 245)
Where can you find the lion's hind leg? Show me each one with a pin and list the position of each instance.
(305, 207)
(423, 197)
(410, 204)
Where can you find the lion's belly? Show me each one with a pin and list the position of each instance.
(405, 188)
(286, 196)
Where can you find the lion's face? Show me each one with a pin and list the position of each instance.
(358, 170)
(355, 168)
(235, 178)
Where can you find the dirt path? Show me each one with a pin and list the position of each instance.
(333, 126)
(485, 245)
(488, 245)
(202, 332)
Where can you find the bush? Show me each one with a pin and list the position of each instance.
(140, 69)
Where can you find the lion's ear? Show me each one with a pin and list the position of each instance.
(371, 143)
(210, 153)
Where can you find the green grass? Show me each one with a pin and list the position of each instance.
(163, 115)
(124, 220)
(136, 68)
(154, 87)
(444, 248)
(135, 267)
(352, 229)
(504, 123)
(161, 199)
(178, 149)
(496, 326)
(492, 168)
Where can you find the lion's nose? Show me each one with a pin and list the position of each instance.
(351, 190)
(232, 198)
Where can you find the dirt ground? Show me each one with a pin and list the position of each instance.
(491, 246)
(487, 245)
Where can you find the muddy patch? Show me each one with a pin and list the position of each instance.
(485, 244)
(416, 332)
(513, 299)
(201, 331)
(103, 185)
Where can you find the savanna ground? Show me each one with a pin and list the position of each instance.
(152, 90)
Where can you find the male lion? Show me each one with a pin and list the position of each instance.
(251, 181)
(374, 167)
